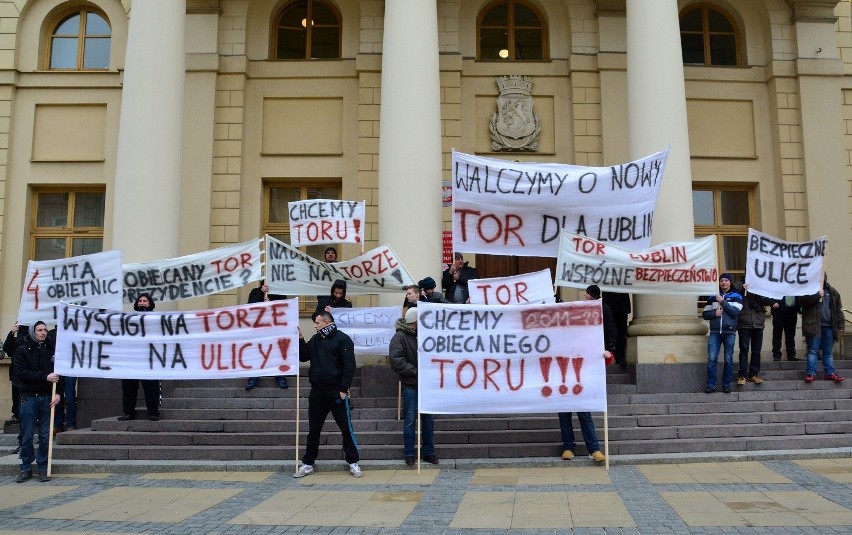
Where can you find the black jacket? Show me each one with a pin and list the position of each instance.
(330, 301)
(466, 273)
(32, 364)
(11, 344)
(403, 353)
(332, 360)
(610, 332)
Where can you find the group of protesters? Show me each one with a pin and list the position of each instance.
(736, 312)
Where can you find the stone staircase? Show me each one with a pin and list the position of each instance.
(220, 421)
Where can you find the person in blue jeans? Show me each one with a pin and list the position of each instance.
(722, 310)
(822, 324)
(33, 364)
(403, 358)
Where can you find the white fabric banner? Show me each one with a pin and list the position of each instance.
(478, 359)
(371, 329)
(668, 268)
(319, 221)
(258, 339)
(194, 275)
(93, 279)
(776, 268)
(527, 289)
(290, 271)
(515, 208)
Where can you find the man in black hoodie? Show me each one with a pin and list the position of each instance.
(336, 299)
(33, 364)
(150, 387)
(332, 357)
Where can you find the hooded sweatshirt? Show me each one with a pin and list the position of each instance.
(331, 301)
(139, 308)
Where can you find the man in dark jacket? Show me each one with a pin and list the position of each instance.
(403, 360)
(33, 364)
(428, 293)
(785, 316)
(750, 324)
(17, 335)
(335, 299)
(150, 387)
(259, 295)
(722, 310)
(332, 357)
(454, 280)
(822, 324)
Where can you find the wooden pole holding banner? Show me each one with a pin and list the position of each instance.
(606, 440)
(399, 401)
(362, 227)
(418, 439)
(50, 436)
(822, 275)
(298, 390)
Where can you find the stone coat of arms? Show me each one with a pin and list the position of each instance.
(514, 126)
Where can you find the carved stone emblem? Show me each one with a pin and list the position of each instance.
(514, 126)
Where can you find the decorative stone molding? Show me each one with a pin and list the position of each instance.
(813, 10)
(514, 126)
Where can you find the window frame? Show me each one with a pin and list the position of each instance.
(705, 8)
(510, 30)
(721, 230)
(70, 232)
(273, 42)
(83, 11)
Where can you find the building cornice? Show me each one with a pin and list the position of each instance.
(813, 10)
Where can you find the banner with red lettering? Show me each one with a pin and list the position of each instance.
(527, 289)
(289, 271)
(93, 279)
(370, 329)
(194, 275)
(318, 221)
(776, 268)
(518, 208)
(669, 268)
(258, 339)
(480, 359)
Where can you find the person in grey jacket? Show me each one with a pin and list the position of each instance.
(403, 359)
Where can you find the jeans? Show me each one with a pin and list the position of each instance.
(825, 342)
(753, 338)
(409, 425)
(35, 410)
(587, 427)
(713, 345)
(70, 402)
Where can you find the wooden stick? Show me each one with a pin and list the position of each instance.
(399, 401)
(606, 439)
(418, 440)
(50, 437)
(298, 389)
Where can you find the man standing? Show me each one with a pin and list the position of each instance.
(587, 426)
(260, 295)
(150, 387)
(722, 310)
(750, 325)
(403, 359)
(428, 293)
(336, 299)
(785, 315)
(412, 297)
(33, 364)
(454, 280)
(822, 324)
(332, 357)
(330, 254)
(619, 304)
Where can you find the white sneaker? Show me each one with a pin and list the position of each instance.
(354, 469)
(304, 470)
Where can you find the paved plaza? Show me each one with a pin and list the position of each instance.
(808, 495)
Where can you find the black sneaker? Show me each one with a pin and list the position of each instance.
(281, 382)
(42, 475)
(409, 461)
(251, 383)
(154, 417)
(126, 417)
(24, 476)
(710, 390)
(11, 421)
(431, 459)
(726, 390)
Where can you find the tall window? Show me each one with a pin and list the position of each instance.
(708, 36)
(511, 30)
(276, 219)
(727, 212)
(67, 223)
(307, 29)
(80, 41)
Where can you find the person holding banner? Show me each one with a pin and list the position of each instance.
(260, 295)
(822, 324)
(330, 255)
(750, 324)
(785, 316)
(454, 280)
(403, 360)
(150, 387)
(428, 293)
(722, 310)
(33, 364)
(336, 299)
(332, 357)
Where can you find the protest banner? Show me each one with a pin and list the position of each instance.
(776, 268)
(194, 275)
(526, 289)
(290, 271)
(515, 208)
(481, 359)
(668, 268)
(318, 221)
(371, 329)
(258, 339)
(93, 279)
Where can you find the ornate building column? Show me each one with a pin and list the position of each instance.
(148, 171)
(666, 327)
(410, 137)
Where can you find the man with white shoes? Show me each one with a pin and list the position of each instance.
(332, 357)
